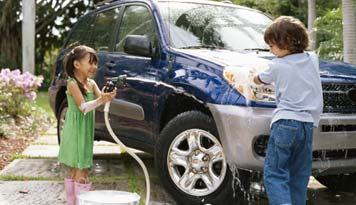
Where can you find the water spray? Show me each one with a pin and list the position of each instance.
(120, 81)
(117, 197)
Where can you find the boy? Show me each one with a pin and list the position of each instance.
(299, 100)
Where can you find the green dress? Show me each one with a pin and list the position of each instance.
(76, 148)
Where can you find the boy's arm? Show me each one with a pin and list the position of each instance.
(256, 79)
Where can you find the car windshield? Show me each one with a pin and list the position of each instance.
(196, 25)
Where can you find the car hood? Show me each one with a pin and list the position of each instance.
(228, 58)
(337, 69)
(260, 61)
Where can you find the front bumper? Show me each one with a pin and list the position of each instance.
(239, 127)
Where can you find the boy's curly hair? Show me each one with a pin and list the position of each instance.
(288, 33)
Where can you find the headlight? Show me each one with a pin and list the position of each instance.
(241, 79)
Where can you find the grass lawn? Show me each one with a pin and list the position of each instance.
(42, 101)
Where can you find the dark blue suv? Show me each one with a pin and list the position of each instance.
(187, 99)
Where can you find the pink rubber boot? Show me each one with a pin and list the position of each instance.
(69, 187)
(79, 188)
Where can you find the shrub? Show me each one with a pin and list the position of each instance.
(329, 35)
(20, 116)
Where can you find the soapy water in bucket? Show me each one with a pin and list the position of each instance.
(108, 197)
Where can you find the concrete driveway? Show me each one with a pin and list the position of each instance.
(36, 178)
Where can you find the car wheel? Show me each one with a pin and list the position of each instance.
(60, 118)
(341, 182)
(191, 162)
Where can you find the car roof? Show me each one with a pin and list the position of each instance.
(223, 3)
(208, 2)
(220, 3)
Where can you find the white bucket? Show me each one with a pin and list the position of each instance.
(108, 197)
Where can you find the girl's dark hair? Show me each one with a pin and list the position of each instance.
(287, 33)
(78, 53)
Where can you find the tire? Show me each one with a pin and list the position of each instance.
(341, 182)
(193, 162)
(60, 118)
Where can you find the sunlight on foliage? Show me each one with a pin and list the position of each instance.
(329, 35)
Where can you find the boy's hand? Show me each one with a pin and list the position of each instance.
(255, 79)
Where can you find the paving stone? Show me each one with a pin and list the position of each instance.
(46, 140)
(149, 165)
(50, 168)
(31, 192)
(41, 151)
(109, 161)
(157, 192)
(52, 192)
(104, 143)
(52, 150)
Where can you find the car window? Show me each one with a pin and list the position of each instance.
(103, 29)
(137, 20)
(224, 27)
(80, 32)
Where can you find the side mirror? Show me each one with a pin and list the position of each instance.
(138, 45)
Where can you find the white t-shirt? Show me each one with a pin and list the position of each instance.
(298, 87)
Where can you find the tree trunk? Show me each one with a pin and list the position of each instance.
(349, 31)
(311, 20)
(28, 36)
(10, 30)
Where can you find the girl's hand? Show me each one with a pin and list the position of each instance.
(106, 97)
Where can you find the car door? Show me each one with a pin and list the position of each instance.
(101, 34)
(138, 94)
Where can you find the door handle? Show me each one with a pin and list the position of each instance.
(110, 65)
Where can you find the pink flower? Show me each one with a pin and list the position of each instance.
(31, 95)
(13, 81)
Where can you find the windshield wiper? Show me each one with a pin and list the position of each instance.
(199, 47)
(256, 49)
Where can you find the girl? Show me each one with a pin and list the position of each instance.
(83, 96)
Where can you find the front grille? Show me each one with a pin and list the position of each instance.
(337, 98)
(338, 128)
(260, 148)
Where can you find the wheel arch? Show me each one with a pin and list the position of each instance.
(185, 103)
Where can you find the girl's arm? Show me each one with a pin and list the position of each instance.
(97, 92)
(83, 106)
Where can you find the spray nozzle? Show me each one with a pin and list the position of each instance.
(118, 81)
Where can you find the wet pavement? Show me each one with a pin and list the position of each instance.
(36, 178)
